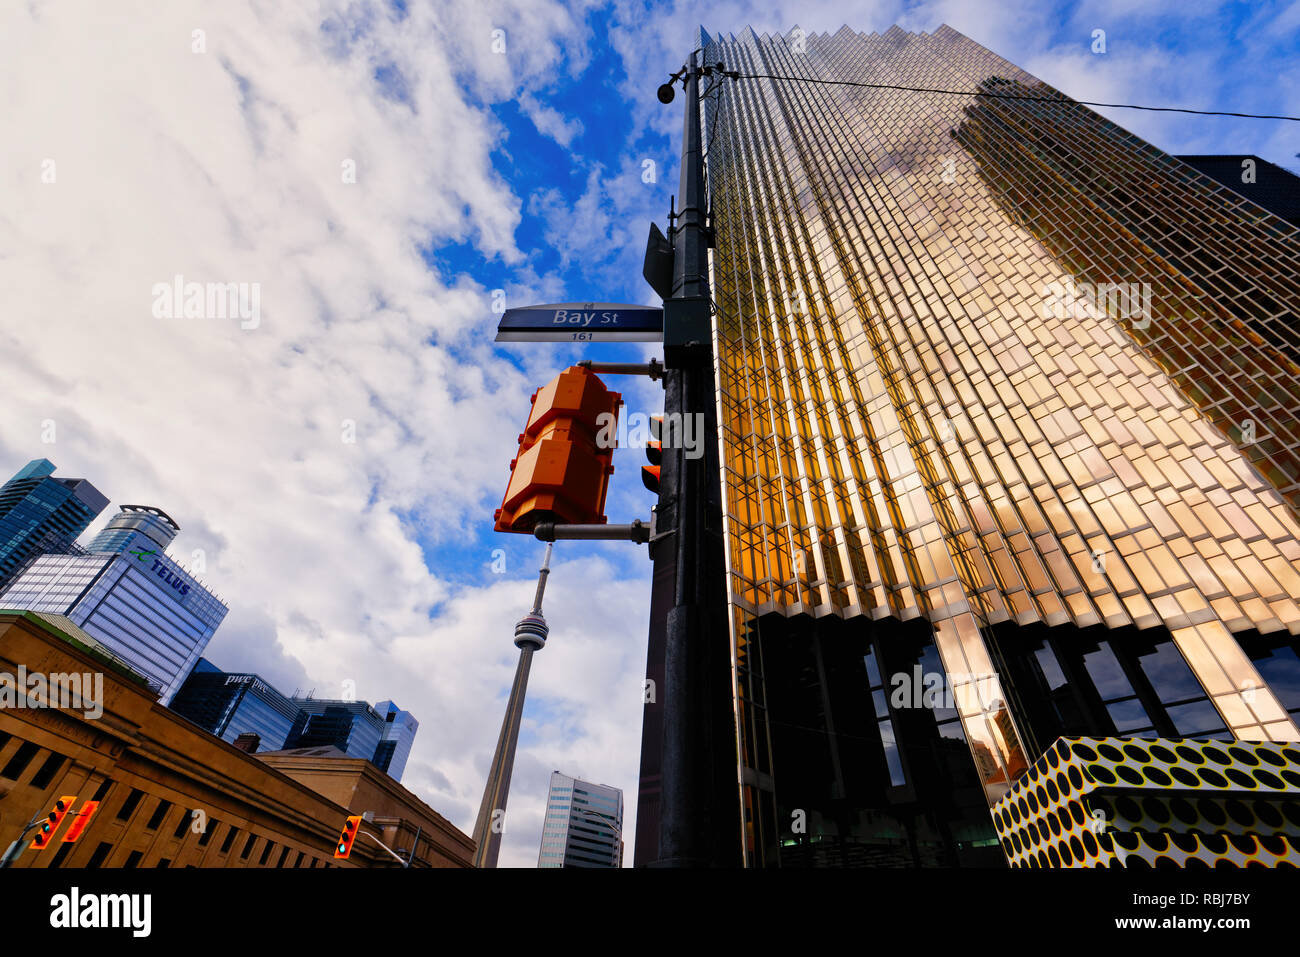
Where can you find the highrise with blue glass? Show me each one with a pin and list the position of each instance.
(229, 705)
(143, 606)
(40, 513)
(395, 745)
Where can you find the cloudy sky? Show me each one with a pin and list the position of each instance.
(379, 169)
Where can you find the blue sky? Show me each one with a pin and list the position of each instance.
(208, 140)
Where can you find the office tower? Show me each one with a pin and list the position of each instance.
(383, 737)
(143, 606)
(229, 705)
(584, 825)
(40, 513)
(1009, 427)
(399, 734)
(138, 528)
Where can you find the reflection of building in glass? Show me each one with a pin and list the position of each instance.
(584, 825)
(233, 705)
(354, 727)
(230, 705)
(40, 513)
(399, 734)
(383, 737)
(143, 606)
(1002, 390)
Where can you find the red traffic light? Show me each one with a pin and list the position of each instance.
(349, 834)
(45, 832)
(565, 455)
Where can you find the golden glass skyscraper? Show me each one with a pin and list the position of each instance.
(1009, 414)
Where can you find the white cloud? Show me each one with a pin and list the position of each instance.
(228, 166)
(550, 122)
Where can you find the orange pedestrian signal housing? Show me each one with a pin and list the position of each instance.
(80, 821)
(344, 846)
(45, 832)
(565, 455)
(654, 452)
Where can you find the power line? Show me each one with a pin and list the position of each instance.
(736, 75)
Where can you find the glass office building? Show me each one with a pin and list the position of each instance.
(141, 529)
(398, 736)
(354, 727)
(144, 606)
(40, 513)
(231, 704)
(1010, 438)
(583, 825)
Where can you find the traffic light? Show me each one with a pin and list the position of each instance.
(565, 455)
(349, 834)
(45, 832)
(80, 821)
(654, 451)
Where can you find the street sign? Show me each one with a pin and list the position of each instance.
(582, 322)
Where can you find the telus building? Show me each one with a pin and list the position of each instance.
(142, 605)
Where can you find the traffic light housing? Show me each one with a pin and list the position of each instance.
(349, 834)
(80, 821)
(654, 452)
(45, 831)
(565, 455)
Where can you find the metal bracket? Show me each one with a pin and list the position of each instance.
(654, 368)
(637, 531)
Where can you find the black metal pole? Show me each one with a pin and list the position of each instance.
(699, 797)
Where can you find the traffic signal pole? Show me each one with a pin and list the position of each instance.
(698, 823)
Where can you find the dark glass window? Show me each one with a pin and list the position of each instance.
(159, 813)
(129, 805)
(1281, 669)
(102, 791)
(266, 853)
(208, 831)
(1196, 720)
(133, 859)
(64, 850)
(101, 852)
(1169, 674)
(1277, 659)
(18, 763)
(880, 702)
(230, 839)
(45, 775)
(248, 846)
(163, 862)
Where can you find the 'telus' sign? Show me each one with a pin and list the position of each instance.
(582, 322)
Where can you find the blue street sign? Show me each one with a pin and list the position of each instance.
(582, 322)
